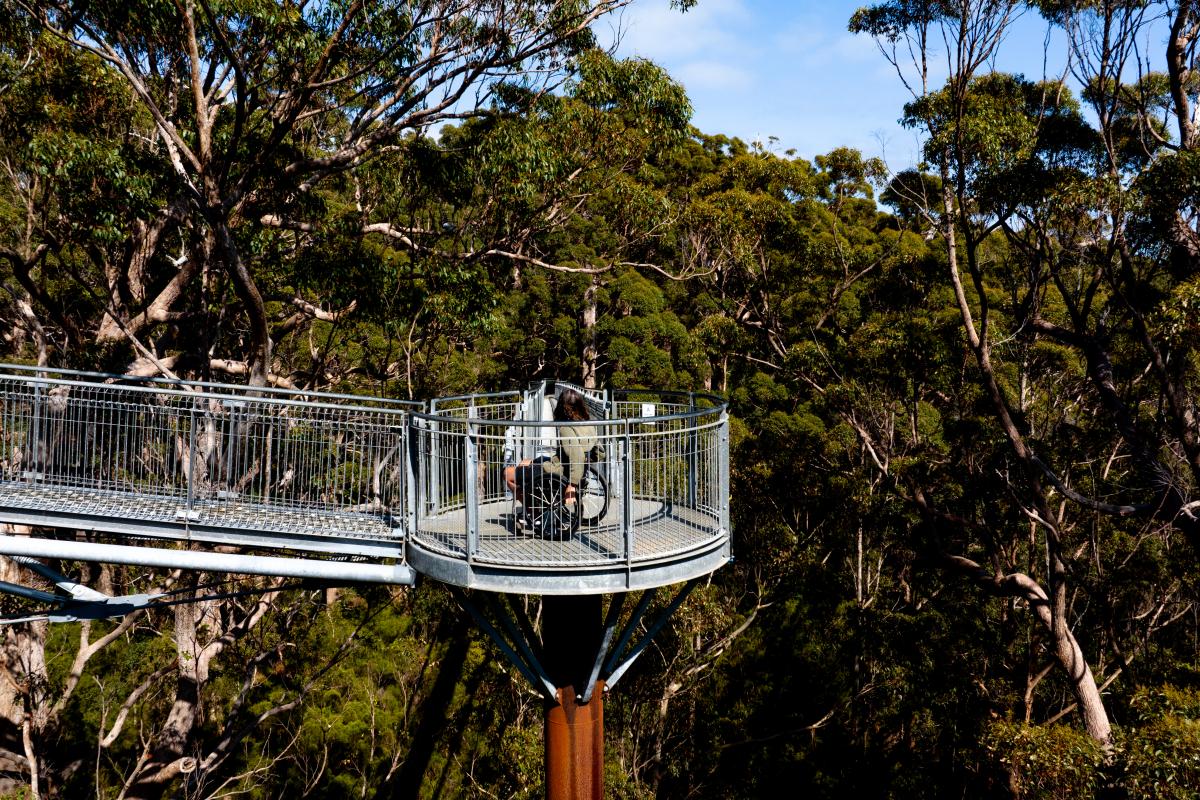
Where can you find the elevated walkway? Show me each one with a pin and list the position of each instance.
(105, 461)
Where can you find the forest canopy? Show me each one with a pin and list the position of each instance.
(966, 444)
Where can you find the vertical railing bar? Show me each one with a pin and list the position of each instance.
(52, 448)
(35, 456)
(268, 455)
(118, 477)
(426, 468)
(408, 498)
(95, 471)
(354, 464)
(288, 460)
(246, 453)
(230, 426)
(627, 500)
(471, 500)
(723, 467)
(109, 476)
(333, 461)
(101, 451)
(366, 446)
(82, 423)
(237, 426)
(436, 459)
(315, 458)
(339, 458)
(322, 447)
(258, 453)
(191, 465)
(610, 411)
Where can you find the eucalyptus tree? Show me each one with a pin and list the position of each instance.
(527, 215)
(250, 109)
(186, 168)
(788, 260)
(1069, 256)
(961, 143)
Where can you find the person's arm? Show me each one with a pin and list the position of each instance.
(573, 446)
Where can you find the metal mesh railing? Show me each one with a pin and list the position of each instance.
(200, 453)
(655, 486)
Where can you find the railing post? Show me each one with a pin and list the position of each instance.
(435, 461)
(230, 443)
(411, 455)
(723, 480)
(472, 495)
(36, 468)
(627, 497)
(191, 465)
(693, 444)
(610, 410)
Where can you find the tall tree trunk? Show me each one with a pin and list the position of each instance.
(167, 757)
(259, 357)
(1070, 657)
(1066, 648)
(24, 706)
(590, 354)
(1067, 652)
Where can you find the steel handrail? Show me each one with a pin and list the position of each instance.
(241, 394)
(111, 379)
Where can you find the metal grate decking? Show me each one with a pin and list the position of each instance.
(366, 477)
(213, 521)
(662, 533)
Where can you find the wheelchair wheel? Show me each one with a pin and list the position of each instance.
(558, 523)
(593, 496)
(552, 518)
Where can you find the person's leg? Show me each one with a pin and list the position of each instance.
(510, 480)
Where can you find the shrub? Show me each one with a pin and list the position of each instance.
(1046, 761)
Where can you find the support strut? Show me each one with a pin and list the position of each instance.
(572, 667)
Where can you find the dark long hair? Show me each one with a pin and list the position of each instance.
(571, 407)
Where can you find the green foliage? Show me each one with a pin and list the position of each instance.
(889, 21)
(1047, 761)
(1160, 754)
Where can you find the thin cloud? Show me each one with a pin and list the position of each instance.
(657, 31)
(814, 40)
(713, 76)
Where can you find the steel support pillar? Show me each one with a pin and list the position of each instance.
(572, 634)
(575, 746)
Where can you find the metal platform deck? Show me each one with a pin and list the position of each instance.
(664, 545)
(225, 522)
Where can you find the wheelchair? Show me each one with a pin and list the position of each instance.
(550, 515)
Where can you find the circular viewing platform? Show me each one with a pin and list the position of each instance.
(653, 508)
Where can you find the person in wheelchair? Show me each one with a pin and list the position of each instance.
(548, 488)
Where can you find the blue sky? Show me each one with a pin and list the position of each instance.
(790, 69)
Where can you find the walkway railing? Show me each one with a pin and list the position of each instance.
(655, 493)
(359, 476)
(204, 461)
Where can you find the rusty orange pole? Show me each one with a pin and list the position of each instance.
(572, 631)
(575, 747)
